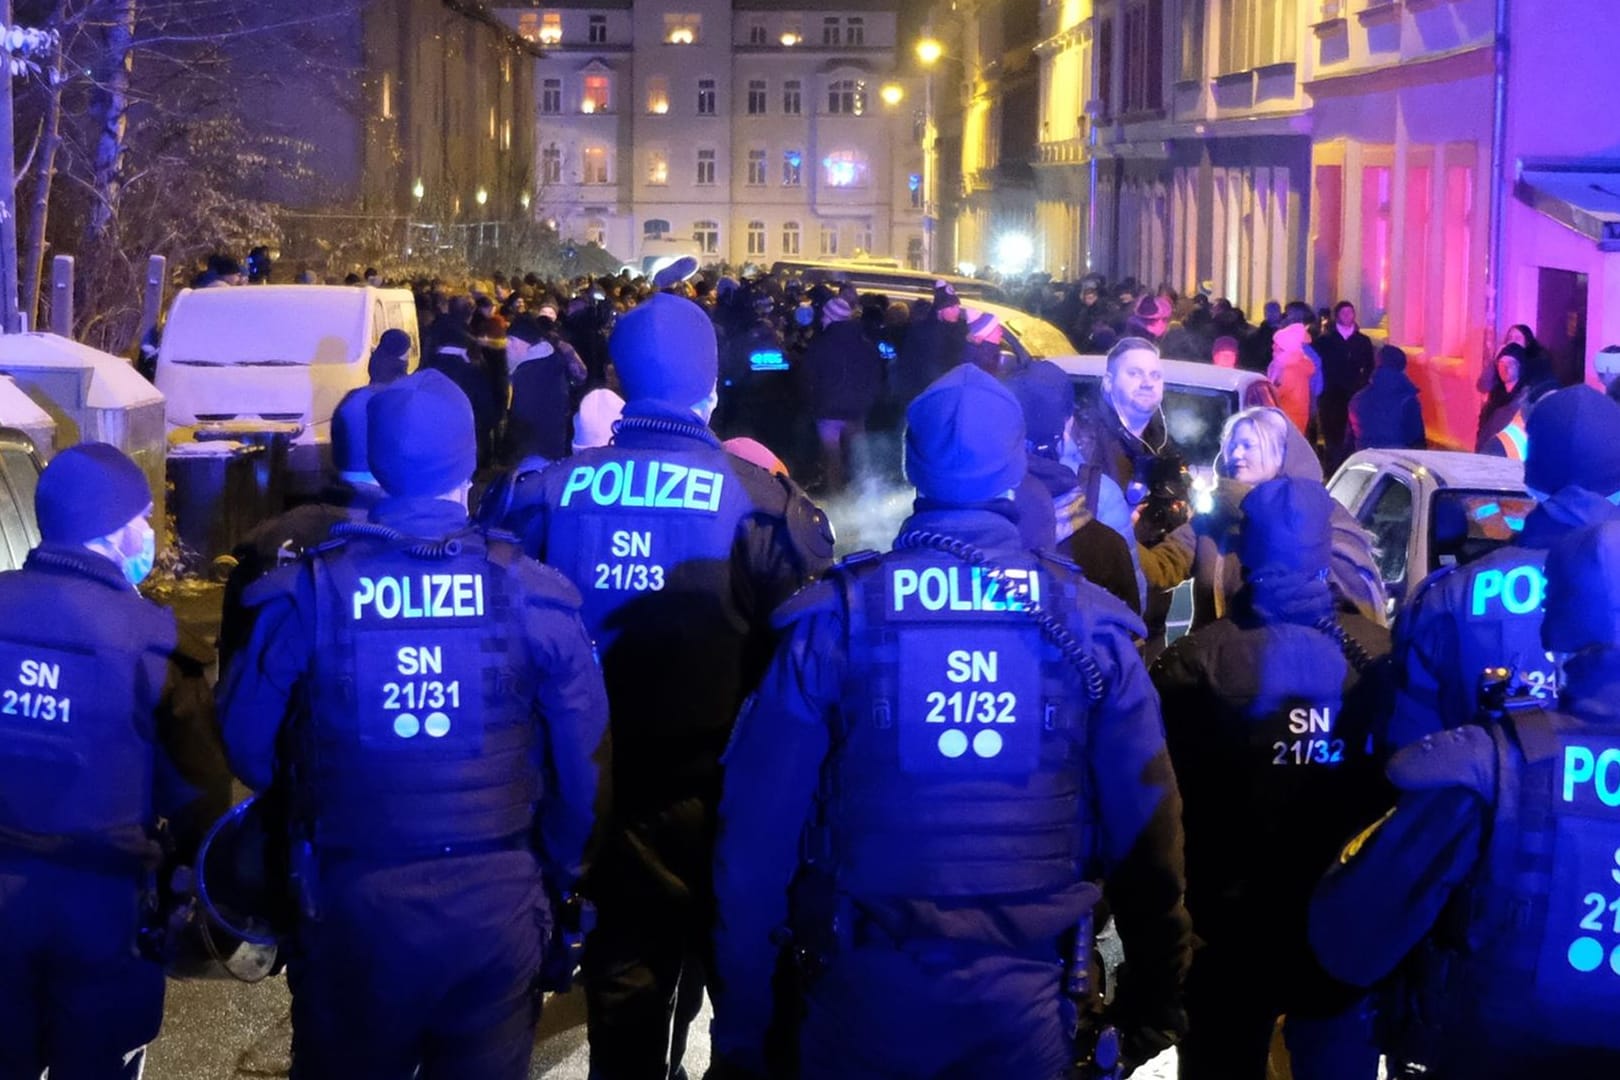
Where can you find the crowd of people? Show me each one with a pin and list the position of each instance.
(877, 809)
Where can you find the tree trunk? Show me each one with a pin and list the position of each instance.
(110, 115)
(10, 320)
(34, 259)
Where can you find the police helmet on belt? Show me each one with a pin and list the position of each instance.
(1573, 438)
(1287, 526)
(89, 491)
(420, 436)
(1582, 608)
(965, 438)
(664, 350)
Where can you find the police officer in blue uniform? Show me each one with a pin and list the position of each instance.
(442, 757)
(86, 723)
(1464, 619)
(681, 551)
(1495, 880)
(1273, 716)
(953, 741)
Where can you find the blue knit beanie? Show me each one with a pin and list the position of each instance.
(965, 438)
(419, 435)
(1046, 395)
(664, 350)
(88, 491)
(349, 451)
(1583, 590)
(1288, 526)
(1573, 440)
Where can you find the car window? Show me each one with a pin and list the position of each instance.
(19, 533)
(1464, 525)
(1193, 414)
(1388, 516)
(1040, 339)
(1349, 484)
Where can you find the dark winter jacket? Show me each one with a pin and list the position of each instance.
(930, 349)
(1387, 414)
(1347, 363)
(843, 372)
(1098, 550)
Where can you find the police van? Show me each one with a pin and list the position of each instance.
(278, 354)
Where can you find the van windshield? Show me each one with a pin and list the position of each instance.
(281, 326)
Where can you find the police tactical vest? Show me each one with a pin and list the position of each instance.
(958, 768)
(421, 733)
(1544, 926)
(72, 763)
(1500, 623)
(626, 525)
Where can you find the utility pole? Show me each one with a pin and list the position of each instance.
(10, 317)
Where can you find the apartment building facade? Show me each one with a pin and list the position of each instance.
(1412, 156)
(747, 131)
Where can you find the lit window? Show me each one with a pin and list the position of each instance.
(847, 97)
(705, 166)
(550, 28)
(793, 97)
(914, 186)
(506, 134)
(551, 96)
(682, 29)
(844, 169)
(829, 30)
(506, 69)
(855, 31)
(596, 165)
(492, 121)
(792, 168)
(657, 167)
(655, 228)
(756, 97)
(387, 96)
(705, 97)
(756, 238)
(756, 33)
(790, 238)
(829, 239)
(598, 94)
(792, 35)
(597, 30)
(707, 235)
(863, 237)
(596, 231)
(657, 94)
(756, 168)
(551, 165)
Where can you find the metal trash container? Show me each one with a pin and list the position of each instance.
(270, 473)
(214, 498)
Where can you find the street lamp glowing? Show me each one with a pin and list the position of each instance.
(929, 50)
(418, 190)
(892, 94)
(1014, 253)
(482, 196)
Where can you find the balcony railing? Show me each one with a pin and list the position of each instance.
(1060, 151)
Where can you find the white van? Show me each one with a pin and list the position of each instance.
(278, 353)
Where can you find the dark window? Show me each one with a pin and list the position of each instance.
(597, 33)
(705, 97)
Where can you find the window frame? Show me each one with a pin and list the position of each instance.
(706, 156)
(708, 97)
(551, 105)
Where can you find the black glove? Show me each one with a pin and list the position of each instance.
(572, 919)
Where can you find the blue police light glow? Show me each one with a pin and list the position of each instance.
(767, 360)
(959, 588)
(886, 350)
(658, 484)
(794, 159)
(1518, 591)
(424, 596)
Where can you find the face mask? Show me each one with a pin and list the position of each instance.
(138, 567)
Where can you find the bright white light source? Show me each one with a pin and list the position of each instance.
(790, 39)
(892, 94)
(482, 196)
(1014, 252)
(418, 190)
(966, 269)
(929, 50)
